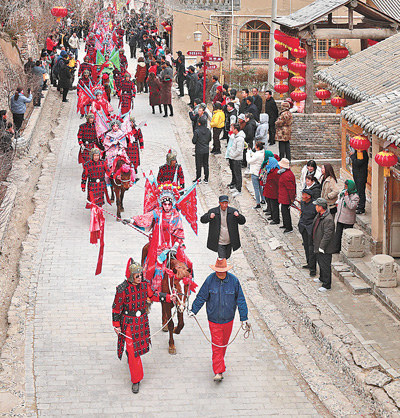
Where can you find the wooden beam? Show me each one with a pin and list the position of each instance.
(351, 21)
(309, 78)
(347, 34)
(330, 18)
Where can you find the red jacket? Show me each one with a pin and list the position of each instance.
(271, 188)
(287, 188)
(140, 73)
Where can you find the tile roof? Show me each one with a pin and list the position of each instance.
(390, 7)
(310, 13)
(368, 73)
(378, 115)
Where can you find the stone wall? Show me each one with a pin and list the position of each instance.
(316, 136)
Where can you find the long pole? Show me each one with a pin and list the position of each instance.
(274, 11)
(204, 72)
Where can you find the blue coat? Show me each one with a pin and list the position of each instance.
(221, 298)
(19, 106)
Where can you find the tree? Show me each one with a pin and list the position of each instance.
(243, 54)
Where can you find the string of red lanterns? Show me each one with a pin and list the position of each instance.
(281, 74)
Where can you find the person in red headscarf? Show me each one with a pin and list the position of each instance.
(130, 320)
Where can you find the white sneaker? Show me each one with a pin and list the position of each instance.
(246, 172)
(236, 193)
(322, 289)
(233, 190)
(317, 280)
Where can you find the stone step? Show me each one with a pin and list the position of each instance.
(354, 283)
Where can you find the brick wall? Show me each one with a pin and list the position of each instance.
(316, 136)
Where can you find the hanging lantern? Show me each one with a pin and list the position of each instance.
(338, 52)
(208, 44)
(281, 75)
(386, 159)
(281, 61)
(297, 81)
(168, 28)
(281, 48)
(338, 102)
(297, 67)
(59, 12)
(298, 96)
(298, 53)
(323, 94)
(360, 144)
(281, 88)
(164, 24)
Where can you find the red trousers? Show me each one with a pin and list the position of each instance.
(135, 363)
(220, 334)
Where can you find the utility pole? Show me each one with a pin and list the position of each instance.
(274, 9)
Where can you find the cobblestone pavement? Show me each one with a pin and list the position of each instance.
(75, 366)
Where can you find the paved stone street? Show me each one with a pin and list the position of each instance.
(76, 371)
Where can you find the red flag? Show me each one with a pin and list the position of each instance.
(150, 196)
(97, 222)
(188, 207)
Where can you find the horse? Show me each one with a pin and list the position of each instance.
(121, 184)
(169, 283)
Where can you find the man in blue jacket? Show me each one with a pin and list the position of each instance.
(222, 293)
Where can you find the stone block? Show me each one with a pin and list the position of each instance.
(356, 285)
(377, 378)
(384, 270)
(353, 243)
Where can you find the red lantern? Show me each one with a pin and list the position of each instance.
(323, 95)
(281, 48)
(164, 24)
(298, 52)
(208, 44)
(168, 28)
(386, 159)
(360, 144)
(208, 56)
(338, 102)
(281, 75)
(338, 52)
(297, 67)
(59, 12)
(281, 61)
(298, 96)
(281, 88)
(297, 81)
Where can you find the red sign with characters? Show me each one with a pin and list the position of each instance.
(211, 67)
(216, 59)
(195, 53)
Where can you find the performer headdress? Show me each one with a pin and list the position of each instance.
(171, 156)
(132, 268)
(89, 116)
(168, 192)
(93, 151)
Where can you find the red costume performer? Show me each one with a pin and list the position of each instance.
(135, 140)
(123, 62)
(170, 171)
(167, 235)
(130, 319)
(87, 138)
(94, 172)
(85, 83)
(101, 103)
(128, 93)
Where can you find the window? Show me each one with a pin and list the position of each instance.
(256, 35)
(321, 47)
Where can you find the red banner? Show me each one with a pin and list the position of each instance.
(290, 41)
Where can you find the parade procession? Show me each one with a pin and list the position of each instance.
(200, 209)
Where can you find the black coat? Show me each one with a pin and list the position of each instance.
(243, 106)
(215, 227)
(64, 75)
(202, 139)
(271, 109)
(360, 167)
(308, 213)
(250, 130)
(254, 111)
(258, 102)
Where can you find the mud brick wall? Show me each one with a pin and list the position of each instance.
(316, 136)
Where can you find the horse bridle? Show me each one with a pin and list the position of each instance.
(170, 289)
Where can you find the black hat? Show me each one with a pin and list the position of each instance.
(224, 198)
(179, 52)
(307, 191)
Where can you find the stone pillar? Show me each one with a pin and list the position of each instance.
(384, 270)
(353, 243)
(309, 78)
